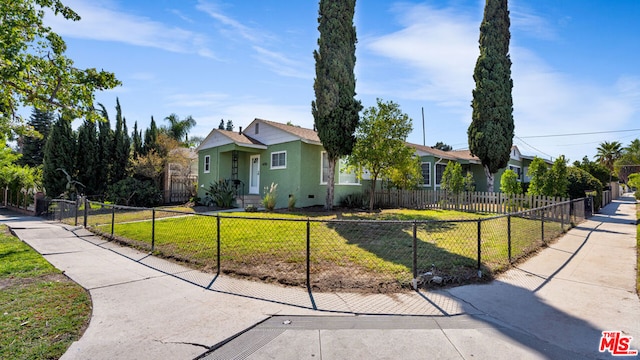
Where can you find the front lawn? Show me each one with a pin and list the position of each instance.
(42, 311)
(370, 251)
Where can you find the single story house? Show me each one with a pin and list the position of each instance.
(292, 157)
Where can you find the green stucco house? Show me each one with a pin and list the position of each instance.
(269, 152)
(292, 157)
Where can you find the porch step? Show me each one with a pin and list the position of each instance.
(254, 200)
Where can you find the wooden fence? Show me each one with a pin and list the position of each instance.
(499, 203)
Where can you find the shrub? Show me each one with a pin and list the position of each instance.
(250, 208)
(270, 197)
(134, 192)
(220, 193)
(292, 202)
(354, 201)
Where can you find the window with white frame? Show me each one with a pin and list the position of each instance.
(426, 173)
(517, 170)
(344, 177)
(207, 163)
(439, 172)
(279, 160)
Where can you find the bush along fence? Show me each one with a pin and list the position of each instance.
(329, 255)
(492, 202)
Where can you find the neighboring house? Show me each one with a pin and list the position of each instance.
(180, 177)
(268, 152)
(434, 161)
(292, 157)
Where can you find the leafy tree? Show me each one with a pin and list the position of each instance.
(407, 173)
(452, 179)
(229, 126)
(581, 182)
(442, 146)
(380, 142)
(596, 169)
(634, 182)
(538, 173)
(629, 162)
(491, 131)
(509, 183)
(469, 182)
(335, 111)
(87, 161)
(34, 70)
(179, 129)
(556, 182)
(32, 146)
(59, 157)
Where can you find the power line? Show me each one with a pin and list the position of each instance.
(538, 150)
(577, 134)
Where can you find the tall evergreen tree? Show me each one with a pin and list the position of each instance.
(229, 126)
(221, 125)
(136, 138)
(492, 129)
(59, 158)
(151, 138)
(32, 147)
(105, 139)
(121, 147)
(335, 111)
(88, 157)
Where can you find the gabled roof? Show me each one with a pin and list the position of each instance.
(428, 150)
(306, 135)
(219, 137)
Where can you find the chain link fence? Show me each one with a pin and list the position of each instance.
(370, 256)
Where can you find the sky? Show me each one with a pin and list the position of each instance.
(575, 69)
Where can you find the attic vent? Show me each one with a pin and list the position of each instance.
(257, 127)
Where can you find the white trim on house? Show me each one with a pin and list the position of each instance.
(206, 166)
(280, 159)
(426, 182)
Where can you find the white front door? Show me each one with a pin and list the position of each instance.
(254, 175)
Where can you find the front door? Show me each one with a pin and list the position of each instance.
(254, 175)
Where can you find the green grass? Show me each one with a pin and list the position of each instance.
(41, 311)
(380, 251)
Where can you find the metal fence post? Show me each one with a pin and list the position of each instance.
(479, 248)
(86, 207)
(542, 225)
(77, 205)
(153, 229)
(113, 219)
(218, 244)
(308, 255)
(415, 249)
(509, 235)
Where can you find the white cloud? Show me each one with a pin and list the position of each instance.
(105, 24)
(231, 26)
(282, 65)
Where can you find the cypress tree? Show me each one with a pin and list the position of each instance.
(491, 131)
(121, 147)
(32, 147)
(59, 154)
(105, 139)
(335, 111)
(137, 140)
(87, 158)
(151, 138)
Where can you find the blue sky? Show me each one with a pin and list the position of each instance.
(575, 64)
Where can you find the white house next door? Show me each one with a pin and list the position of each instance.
(254, 175)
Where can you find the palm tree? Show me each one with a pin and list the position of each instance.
(178, 129)
(633, 148)
(608, 153)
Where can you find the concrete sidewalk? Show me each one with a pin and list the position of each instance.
(553, 306)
